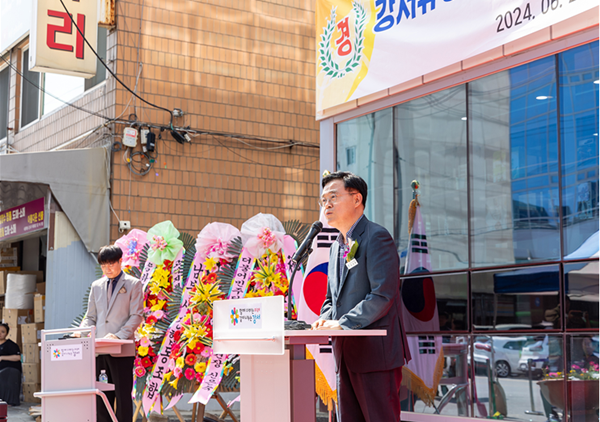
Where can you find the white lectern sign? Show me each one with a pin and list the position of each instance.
(249, 326)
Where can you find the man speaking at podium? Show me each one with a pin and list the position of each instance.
(363, 292)
(115, 308)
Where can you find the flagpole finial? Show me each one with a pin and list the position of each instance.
(415, 185)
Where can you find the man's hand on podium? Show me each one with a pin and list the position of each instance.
(322, 324)
(111, 336)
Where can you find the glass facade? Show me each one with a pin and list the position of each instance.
(508, 172)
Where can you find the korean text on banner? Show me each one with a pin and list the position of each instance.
(364, 47)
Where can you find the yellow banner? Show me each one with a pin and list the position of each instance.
(345, 40)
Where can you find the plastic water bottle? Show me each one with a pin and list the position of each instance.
(103, 377)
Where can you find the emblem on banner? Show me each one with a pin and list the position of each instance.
(343, 43)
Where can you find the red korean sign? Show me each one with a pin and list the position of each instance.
(58, 38)
(21, 220)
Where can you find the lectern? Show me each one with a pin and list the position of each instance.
(277, 381)
(69, 385)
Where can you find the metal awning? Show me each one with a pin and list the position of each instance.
(78, 179)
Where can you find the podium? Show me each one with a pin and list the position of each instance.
(69, 385)
(278, 382)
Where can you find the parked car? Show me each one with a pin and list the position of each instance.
(538, 353)
(502, 352)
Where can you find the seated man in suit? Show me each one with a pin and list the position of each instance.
(363, 291)
(115, 308)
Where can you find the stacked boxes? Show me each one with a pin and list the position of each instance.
(32, 334)
(25, 330)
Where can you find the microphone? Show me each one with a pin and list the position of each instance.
(315, 229)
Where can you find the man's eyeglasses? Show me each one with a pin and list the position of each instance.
(109, 264)
(333, 199)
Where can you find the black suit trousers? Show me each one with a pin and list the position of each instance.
(368, 396)
(120, 373)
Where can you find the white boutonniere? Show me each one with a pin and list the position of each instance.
(349, 255)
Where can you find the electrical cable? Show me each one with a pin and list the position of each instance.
(111, 72)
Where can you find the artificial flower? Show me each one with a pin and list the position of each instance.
(140, 371)
(214, 240)
(132, 245)
(146, 362)
(179, 362)
(190, 359)
(142, 351)
(164, 242)
(200, 367)
(210, 263)
(189, 373)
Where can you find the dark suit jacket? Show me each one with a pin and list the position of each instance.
(367, 296)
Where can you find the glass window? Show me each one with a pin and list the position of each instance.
(517, 299)
(431, 145)
(100, 69)
(514, 165)
(508, 373)
(583, 377)
(370, 137)
(30, 99)
(579, 83)
(581, 302)
(449, 291)
(4, 92)
(451, 397)
(61, 89)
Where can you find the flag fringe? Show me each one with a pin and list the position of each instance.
(322, 388)
(415, 384)
(412, 211)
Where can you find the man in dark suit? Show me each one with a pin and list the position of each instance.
(363, 292)
(115, 308)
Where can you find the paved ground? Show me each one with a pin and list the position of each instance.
(21, 414)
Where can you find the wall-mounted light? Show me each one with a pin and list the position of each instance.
(543, 97)
(463, 118)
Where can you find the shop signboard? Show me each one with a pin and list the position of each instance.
(366, 46)
(21, 220)
(56, 43)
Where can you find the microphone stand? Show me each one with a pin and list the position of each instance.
(291, 281)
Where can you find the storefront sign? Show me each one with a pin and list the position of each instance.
(23, 219)
(56, 44)
(365, 46)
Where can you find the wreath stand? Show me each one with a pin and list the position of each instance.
(198, 408)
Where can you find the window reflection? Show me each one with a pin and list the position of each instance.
(583, 377)
(364, 147)
(431, 147)
(581, 288)
(517, 299)
(578, 73)
(514, 166)
(451, 294)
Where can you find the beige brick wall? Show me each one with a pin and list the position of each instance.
(242, 68)
(239, 67)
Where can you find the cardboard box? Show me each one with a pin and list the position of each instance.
(40, 288)
(39, 308)
(3, 273)
(32, 333)
(31, 353)
(32, 372)
(28, 389)
(17, 316)
(14, 333)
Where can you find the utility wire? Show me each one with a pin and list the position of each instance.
(51, 95)
(111, 72)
